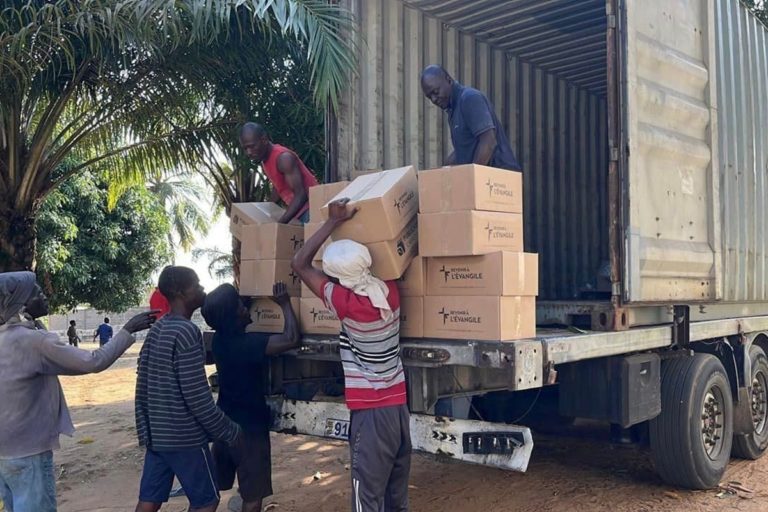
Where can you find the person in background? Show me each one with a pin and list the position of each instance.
(103, 332)
(369, 343)
(241, 362)
(290, 178)
(176, 416)
(476, 133)
(33, 410)
(72, 335)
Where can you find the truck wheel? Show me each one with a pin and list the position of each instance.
(691, 438)
(752, 446)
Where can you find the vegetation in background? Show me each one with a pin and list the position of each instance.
(91, 254)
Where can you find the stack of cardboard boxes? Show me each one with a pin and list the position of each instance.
(459, 263)
(479, 282)
(314, 317)
(265, 258)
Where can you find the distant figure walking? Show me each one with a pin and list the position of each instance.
(103, 332)
(74, 339)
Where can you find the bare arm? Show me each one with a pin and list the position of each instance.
(59, 358)
(274, 197)
(486, 145)
(288, 166)
(338, 212)
(289, 339)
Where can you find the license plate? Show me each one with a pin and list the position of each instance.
(337, 428)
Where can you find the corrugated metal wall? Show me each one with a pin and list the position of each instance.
(742, 79)
(558, 130)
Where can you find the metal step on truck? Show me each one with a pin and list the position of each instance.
(641, 128)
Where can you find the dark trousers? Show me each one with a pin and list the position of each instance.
(380, 444)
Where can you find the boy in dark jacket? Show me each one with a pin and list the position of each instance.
(241, 363)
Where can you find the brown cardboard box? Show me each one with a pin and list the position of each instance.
(500, 273)
(412, 317)
(258, 276)
(319, 195)
(356, 173)
(270, 241)
(391, 258)
(243, 214)
(480, 318)
(470, 187)
(468, 233)
(387, 202)
(414, 280)
(267, 315)
(315, 318)
(309, 230)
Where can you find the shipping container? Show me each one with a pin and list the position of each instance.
(640, 126)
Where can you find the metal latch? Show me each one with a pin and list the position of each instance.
(487, 443)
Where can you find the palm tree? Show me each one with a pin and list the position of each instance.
(113, 84)
(185, 204)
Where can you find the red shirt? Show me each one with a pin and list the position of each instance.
(278, 180)
(369, 348)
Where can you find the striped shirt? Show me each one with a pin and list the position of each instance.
(174, 405)
(369, 347)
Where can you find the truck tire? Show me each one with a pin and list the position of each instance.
(752, 446)
(691, 438)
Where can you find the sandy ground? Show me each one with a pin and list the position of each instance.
(99, 469)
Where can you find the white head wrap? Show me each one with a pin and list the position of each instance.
(350, 263)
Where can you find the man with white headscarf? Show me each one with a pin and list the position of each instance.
(369, 311)
(33, 411)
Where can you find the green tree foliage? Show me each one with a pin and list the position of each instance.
(91, 254)
(129, 86)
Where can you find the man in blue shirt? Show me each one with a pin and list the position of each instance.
(103, 332)
(241, 361)
(476, 133)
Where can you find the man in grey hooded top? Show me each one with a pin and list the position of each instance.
(34, 411)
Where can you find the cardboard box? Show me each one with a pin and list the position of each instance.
(315, 318)
(267, 316)
(391, 258)
(470, 187)
(480, 318)
(258, 276)
(500, 273)
(387, 202)
(319, 195)
(243, 214)
(270, 241)
(414, 280)
(356, 173)
(412, 317)
(469, 233)
(309, 230)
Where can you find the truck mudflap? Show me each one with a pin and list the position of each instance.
(477, 442)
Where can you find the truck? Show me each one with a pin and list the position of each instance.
(640, 126)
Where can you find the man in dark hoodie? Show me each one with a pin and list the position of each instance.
(241, 363)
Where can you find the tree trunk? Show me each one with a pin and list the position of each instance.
(17, 239)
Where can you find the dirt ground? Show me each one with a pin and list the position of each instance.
(98, 470)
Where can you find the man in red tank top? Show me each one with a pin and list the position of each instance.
(290, 178)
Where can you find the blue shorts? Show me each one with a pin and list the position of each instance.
(194, 468)
(304, 217)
